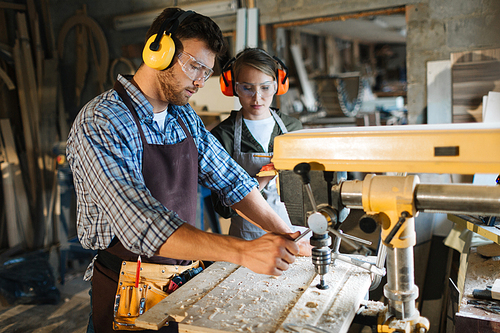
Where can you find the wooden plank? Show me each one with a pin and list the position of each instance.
(246, 301)
(492, 233)
(39, 201)
(20, 197)
(34, 25)
(474, 74)
(481, 272)
(249, 301)
(48, 29)
(9, 197)
(354, 287)
(25, 117)
(439, 98)
(49, 136)
(7, 80)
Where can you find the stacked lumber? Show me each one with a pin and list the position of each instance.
(474, 75)
(28, 126)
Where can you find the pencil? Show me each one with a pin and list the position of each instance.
(138, 272)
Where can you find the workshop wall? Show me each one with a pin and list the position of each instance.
(434, 29)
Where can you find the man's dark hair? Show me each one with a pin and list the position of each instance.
(194, 26)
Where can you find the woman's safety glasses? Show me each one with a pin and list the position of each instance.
(266, 89)
(194, 69)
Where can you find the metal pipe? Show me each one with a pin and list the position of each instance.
(438, 198)
(351, 194)
(458, 199)
(400, 289)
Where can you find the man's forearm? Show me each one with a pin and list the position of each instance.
(190, 243)
(270, 254)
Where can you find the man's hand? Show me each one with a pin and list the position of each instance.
(270, 254)
(305, 247)
(263, 181)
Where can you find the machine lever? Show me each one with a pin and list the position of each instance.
(357, 239)
(396, 228)
(303, 169)
(358, 247)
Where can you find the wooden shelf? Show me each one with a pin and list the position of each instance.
(491, 233)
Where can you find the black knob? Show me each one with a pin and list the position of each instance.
(368, 223)
(303, 169)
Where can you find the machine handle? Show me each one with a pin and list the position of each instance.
(396, 228)
(303, 169)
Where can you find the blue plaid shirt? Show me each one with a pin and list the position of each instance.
(104, 150)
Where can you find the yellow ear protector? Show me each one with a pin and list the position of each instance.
(228, 85)
(160, 48)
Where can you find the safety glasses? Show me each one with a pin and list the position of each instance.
(194, 69)
(266, 89)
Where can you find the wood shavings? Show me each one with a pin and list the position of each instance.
(243, 306)
(312, 304)
(216, 311)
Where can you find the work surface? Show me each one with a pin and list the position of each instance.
(481, 272)
(230, 298)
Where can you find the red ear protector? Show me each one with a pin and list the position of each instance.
(160, 48)
(227, 84)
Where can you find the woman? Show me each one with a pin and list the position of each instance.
(248, 134)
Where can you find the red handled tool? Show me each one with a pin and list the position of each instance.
(138, 272)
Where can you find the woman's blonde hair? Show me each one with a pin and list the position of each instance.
(256, 58)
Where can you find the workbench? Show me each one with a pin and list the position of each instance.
(230, 298)
(469, 222)
(481, 272)
(477, 272)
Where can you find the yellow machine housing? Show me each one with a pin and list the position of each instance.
(394, 200)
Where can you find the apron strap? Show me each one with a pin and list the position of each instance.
(124, 96)
(280, 122)
(237, 133)
(239, 125)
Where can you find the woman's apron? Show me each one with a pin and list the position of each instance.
(252, 163)
(171, 174)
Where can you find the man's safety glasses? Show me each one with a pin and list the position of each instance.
(194, 69)
(266, 89)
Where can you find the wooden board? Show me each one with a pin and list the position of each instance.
(474, 74)
(230, 298)
(481, 272)
(9, 194)
(19, 226)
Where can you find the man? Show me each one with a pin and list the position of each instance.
(137, 153)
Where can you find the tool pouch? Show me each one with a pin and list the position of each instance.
(130, 302)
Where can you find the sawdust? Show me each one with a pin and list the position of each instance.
(481, 272)
(249, 302)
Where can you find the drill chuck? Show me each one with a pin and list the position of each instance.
(321, 255)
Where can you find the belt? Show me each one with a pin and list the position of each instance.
(109, 261)
(114, 263)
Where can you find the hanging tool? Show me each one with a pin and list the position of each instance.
(87, 29)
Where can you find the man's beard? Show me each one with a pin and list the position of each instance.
(172, 89)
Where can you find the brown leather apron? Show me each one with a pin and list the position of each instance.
(171, 174)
